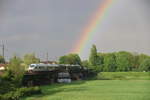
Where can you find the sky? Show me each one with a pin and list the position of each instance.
(54, 26)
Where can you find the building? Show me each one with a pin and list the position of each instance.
(48, 62)
(2, 67)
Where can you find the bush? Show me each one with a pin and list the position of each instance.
(29, 91)
(6, 86)
(6, 82)
(21, 92)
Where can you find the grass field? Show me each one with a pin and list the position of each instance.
(96, 90)
(123, 76)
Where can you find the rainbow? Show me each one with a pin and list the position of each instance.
(89, 30)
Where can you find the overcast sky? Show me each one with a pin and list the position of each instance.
(54, 26)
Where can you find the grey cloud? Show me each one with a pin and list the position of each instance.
(54, 26)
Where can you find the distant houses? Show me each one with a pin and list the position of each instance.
(48, 62)
(2, 67)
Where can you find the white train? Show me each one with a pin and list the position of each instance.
(48, 67)
(42, 67)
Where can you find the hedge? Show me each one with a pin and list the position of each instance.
(21, 92)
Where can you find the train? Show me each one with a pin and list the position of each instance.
(38, 74)
(42, 67)
(49, 67)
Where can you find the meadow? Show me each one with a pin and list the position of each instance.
(123, 76)
(132, 89)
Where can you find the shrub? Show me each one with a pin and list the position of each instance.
(21, 92)
(6, 83)
(29, 91)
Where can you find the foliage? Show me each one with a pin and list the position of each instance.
(6, 87)
(15, 65)
(124, 61)
(7, 75)
(6, 83)
(20, 92)
(17, 69)
(95, 61)
(93, 56)
(116, 61)
(145, 65)
(109, 62)
(12, 76)
(141, 59)
(30, 58)
(2, 60)
(135, 61)
(70, 59)
(85, 63)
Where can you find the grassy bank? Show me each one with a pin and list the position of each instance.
(108, 86)
(123, 76)
(96, 90)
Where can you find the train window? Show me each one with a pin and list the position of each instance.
(50, 68)
(40, 67)
(32, 66)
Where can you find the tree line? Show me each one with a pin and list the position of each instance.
(106, 62)
(121, 61)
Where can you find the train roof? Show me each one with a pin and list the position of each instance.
(42, 64)
(55, 65)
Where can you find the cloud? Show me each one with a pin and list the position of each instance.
(55, 25)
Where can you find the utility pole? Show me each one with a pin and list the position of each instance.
(3, 50)
(47, 57)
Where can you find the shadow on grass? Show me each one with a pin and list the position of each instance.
(62, 87)
(48, 90)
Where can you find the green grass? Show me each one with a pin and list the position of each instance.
(123, 76)
(96, 90)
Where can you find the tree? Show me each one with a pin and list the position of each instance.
(63, 59)
(145, 65)
(85, 63)
(30, 58)
(2, 60)
(141, 59)
(17, 69)
(95, 61)
(70, 59)
(124, 61)
(102, 55)
(93, 56)
(135, 61)
(109, 62)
